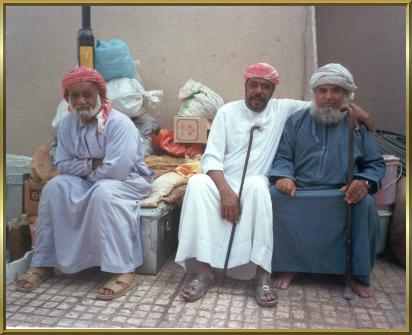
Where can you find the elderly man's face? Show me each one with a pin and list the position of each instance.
(84, 100)
(258, 92)
(329, 96)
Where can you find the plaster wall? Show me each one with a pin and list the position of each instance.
(371, 42)
(210, 44)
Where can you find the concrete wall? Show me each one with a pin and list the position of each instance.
(210, 44)
(370, 41)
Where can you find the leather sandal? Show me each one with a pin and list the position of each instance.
(200, 283)
(264, 289)
(35, 276)
(119, 285)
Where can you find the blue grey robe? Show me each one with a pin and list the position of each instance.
(310, 228)
(91, 217)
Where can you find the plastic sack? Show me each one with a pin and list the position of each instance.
(61, 111)
(162, 186)
(136, 63)
(113, 59)
(198, 100)
(42, 168)
(163, 141)
(128, 96)
(146, 124)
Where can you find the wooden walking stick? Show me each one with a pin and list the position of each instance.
(348, 294)
(232, 233)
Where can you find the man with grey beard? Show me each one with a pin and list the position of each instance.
(309, 188)
(89, 214)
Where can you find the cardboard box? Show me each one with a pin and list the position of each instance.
(32, 193)
(189, 129)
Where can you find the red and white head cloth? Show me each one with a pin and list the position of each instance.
(81, 74)
(262, 70)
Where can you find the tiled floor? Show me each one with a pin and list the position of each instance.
(312, 302)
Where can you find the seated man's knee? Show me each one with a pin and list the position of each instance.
(198, 180)
(103, 190)
(367, 201)
(274, 192)
(58, 184)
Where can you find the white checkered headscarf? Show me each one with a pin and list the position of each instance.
(334, 74)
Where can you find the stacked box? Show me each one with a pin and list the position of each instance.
(32, 193)
(189, 129)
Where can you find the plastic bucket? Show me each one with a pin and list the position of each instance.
(387, 194)
(384, 219)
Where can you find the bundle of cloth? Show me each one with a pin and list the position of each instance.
(172, 175)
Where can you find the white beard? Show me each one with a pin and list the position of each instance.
(89, 113)
(329, 115)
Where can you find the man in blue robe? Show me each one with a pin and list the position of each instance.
(310, 193)
(89, 214)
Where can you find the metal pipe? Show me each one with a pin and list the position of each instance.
(85, 40)
(86, 17)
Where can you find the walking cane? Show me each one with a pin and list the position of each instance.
(232, 234)
(348, 290)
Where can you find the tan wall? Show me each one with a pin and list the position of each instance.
(210, 44)
(370, 41)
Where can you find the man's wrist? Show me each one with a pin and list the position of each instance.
(367, 184)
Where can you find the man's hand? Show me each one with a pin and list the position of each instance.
(362, 116)
(286, 185)
(229, 204)
(355, 192)
(96, 162)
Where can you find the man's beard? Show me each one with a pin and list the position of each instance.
(88, 113)
(326, 115)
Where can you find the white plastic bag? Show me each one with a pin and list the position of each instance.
(128, 96)
(61, 111)
(198, 100)
(161, 187)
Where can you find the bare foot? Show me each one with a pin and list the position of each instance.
(361, 289)
(282, 280)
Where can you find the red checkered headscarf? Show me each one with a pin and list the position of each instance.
(262, 70)
(82, 73)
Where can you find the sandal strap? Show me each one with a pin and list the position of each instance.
(126, 278)
(264, 286)
(41, 273)
(265, 281)
(200, 277)
(122, 280)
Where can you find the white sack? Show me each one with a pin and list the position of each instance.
(198, 100)
(61, 111)
(128, 96)
(162, 186)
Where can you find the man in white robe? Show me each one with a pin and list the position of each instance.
(211, 203)
(89, 214)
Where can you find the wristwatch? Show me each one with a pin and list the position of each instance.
(367, 183)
